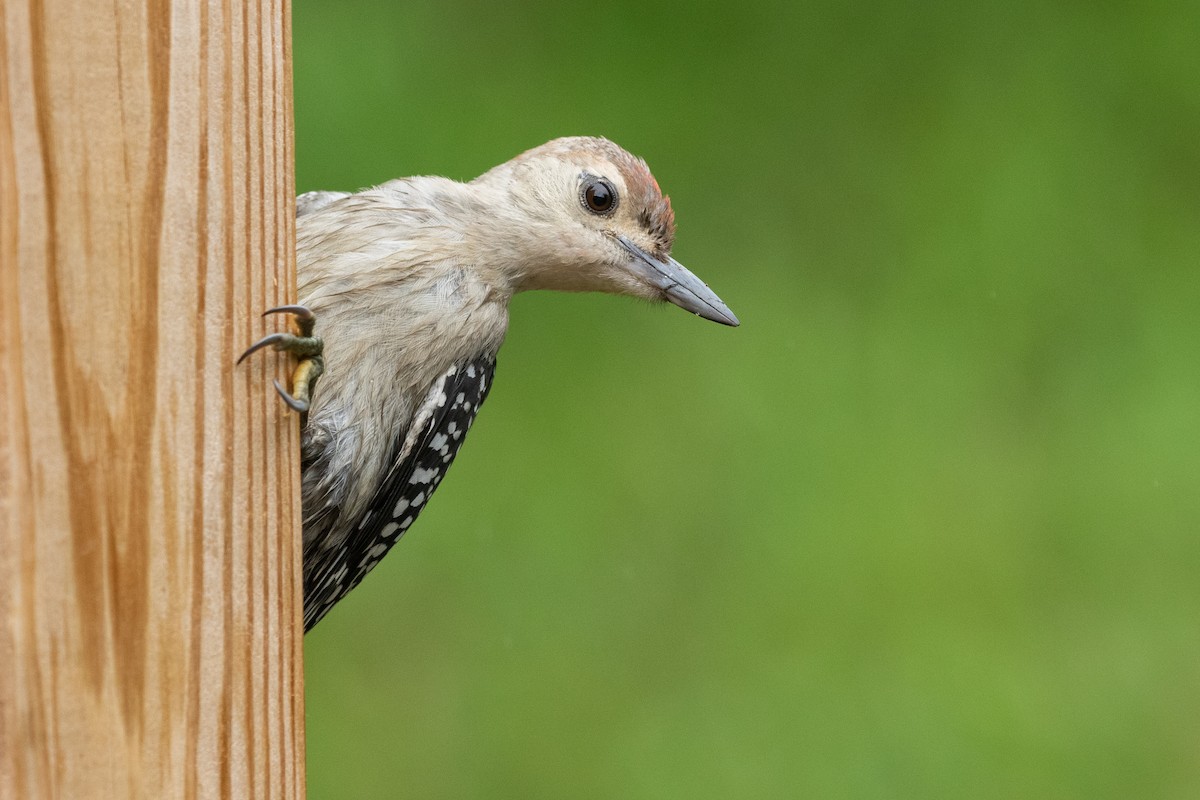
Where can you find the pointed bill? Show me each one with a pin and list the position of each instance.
(679, 285)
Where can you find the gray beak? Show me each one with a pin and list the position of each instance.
(680, 286)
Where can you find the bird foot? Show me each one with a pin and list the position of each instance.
(306, 347)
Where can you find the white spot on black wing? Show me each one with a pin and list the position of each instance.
(405, 490)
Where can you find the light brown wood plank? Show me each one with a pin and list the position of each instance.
(150, 639)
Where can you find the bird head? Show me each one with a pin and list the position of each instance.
(582, 214)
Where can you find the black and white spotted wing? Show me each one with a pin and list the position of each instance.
(443, 422)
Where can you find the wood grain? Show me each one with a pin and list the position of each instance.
(150, 640)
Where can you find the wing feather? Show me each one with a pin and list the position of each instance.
(423, 453)
(314, 201)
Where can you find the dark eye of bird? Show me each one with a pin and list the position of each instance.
(599, 196)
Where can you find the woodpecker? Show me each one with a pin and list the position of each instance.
(403, 304)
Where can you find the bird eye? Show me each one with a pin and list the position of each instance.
(599, 196)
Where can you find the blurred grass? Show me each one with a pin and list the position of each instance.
(926, 525)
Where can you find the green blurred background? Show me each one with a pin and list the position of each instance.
(926, 525)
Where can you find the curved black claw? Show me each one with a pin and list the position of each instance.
(269, 339)
(303, 312)
(304, 316)
(299, 406)
(306, 347)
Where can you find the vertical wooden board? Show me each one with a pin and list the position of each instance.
(149, 498)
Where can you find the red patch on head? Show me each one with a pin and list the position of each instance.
(651, 207)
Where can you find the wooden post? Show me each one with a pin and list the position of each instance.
(150, 639)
